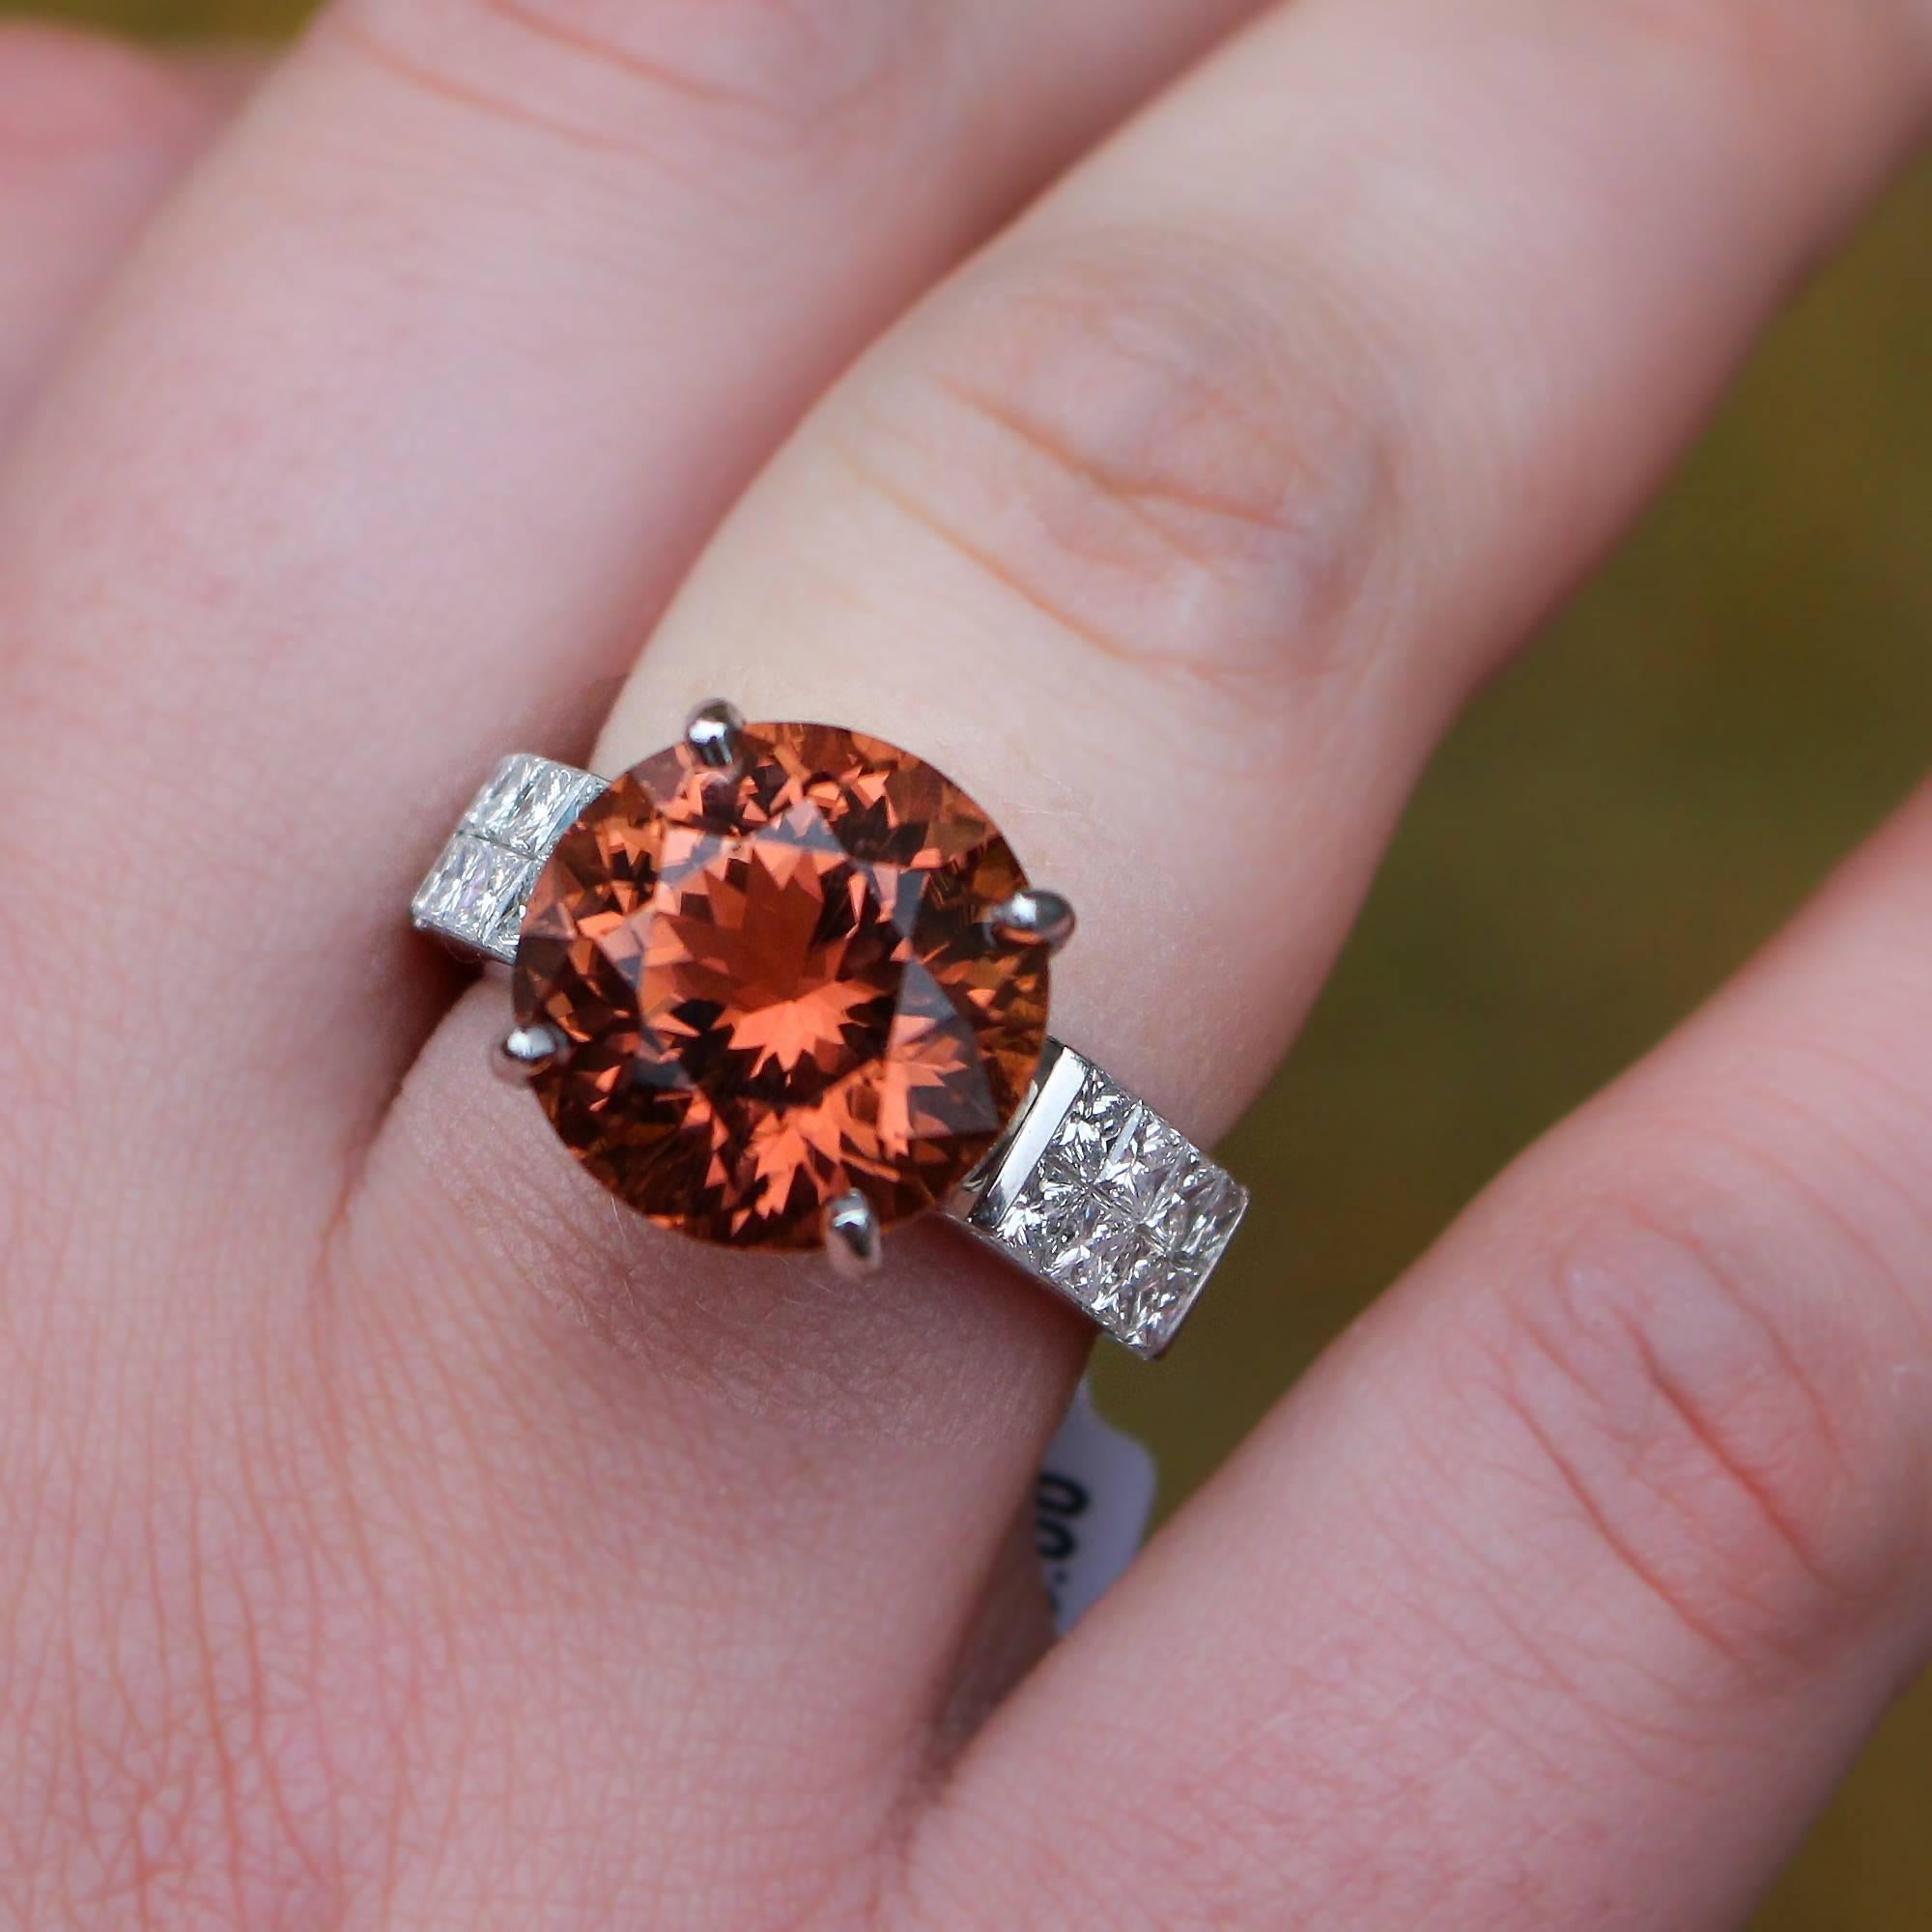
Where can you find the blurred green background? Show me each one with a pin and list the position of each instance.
(1738, 697)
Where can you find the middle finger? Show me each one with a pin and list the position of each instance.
(1175, 528)
(408, 415)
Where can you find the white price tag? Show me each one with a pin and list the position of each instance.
(1095, 1495)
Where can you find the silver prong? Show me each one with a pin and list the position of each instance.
(714, 731)
(527, 1051)
(852, 1235)
(1034, 919)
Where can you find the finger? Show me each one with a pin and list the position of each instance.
(1564, 1594)
(388, 446)
(1175, 528)
(91, 135)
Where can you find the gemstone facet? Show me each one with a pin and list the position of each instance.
(779, 985)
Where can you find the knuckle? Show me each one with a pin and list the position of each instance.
(68, 97)
(1714, 1402)
(1135, 441)
(774, 78)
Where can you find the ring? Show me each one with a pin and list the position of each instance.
(785, 985)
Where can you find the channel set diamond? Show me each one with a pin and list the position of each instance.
(474, 899)
(1116, 1210)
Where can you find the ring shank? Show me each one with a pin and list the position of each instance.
(1090, 1190)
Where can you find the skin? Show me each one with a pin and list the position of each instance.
(399, 1538)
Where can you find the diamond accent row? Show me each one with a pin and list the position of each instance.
(474, 896)
(1118, 1211)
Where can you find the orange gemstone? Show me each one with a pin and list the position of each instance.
(779, 985)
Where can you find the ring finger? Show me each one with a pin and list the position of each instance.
(1176, 527)
(465, 333)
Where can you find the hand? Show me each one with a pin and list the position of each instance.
(397, 1535)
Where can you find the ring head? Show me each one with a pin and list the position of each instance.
(779, 986)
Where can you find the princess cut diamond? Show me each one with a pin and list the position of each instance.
(1115, 1207)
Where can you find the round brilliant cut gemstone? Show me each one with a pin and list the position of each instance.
(779, 984)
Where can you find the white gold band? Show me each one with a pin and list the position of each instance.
(1090, 1190)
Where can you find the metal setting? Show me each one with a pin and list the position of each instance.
(713, 731)
(1035, 919)
(1106, 1202)
(474, 896)
(852, 1235)
(525, 1052)
(1091, 1190)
